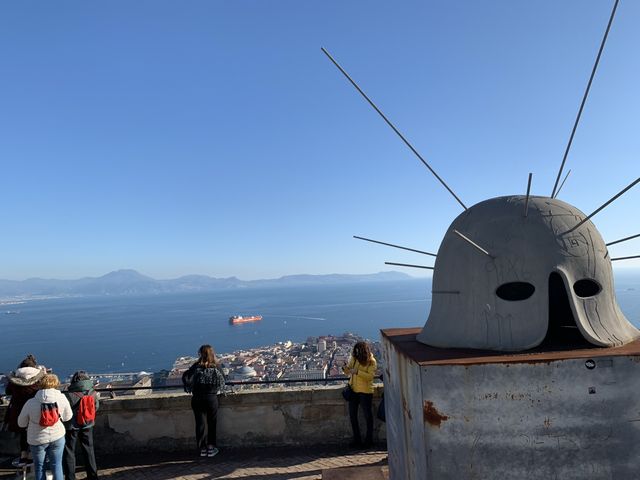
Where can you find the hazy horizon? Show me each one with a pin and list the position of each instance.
(616, 270)
(77, 277)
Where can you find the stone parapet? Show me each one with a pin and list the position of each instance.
(164, 422)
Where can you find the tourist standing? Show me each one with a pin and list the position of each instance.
(43, 416)
(205, 381)
(84, 401)
(361, 368)
(22, 386)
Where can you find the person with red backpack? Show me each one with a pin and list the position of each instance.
(84, 402)
(43, 416)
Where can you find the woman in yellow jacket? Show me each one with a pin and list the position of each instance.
(361, 367)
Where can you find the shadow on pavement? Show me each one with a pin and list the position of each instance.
(247, 464)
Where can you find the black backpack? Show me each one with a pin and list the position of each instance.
(203, 376)
(211, 377)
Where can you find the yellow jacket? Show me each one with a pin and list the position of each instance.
(361, 380)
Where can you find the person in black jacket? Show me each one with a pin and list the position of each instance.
(23, 385)
(205, 381)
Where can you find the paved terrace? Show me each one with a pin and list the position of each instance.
(263, 434)
(250, 464)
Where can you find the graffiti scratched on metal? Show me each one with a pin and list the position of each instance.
(432, 416)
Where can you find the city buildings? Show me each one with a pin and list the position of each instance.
(319, 358)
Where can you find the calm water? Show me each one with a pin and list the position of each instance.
(149, 333)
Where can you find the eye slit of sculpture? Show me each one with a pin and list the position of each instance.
(515, 291)
(586, 288)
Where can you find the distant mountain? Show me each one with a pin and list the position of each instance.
(334, 278)
(130, 282)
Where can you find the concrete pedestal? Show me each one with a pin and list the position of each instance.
(469, 414)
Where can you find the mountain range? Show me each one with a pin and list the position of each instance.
(131, 282)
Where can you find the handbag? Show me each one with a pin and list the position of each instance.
(347, 393)
(188, 380)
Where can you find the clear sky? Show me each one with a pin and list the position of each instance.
(214, 137)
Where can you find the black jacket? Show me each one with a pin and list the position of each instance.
(201, 380)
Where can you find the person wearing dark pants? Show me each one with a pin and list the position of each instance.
(361, 368)
(205, 411)
(365, 400)
(85, 437)
(80, 427)
(205, 381)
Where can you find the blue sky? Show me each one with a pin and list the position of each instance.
(215, 137)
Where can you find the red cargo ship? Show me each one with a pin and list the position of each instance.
(236, 319)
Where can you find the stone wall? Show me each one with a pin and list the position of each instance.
(164, 422)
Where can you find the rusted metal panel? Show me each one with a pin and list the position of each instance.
(407, 345)
(566, 418)
(403, 407)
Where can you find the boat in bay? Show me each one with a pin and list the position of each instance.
(238, 319)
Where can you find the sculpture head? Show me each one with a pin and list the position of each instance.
(541, 280)
(509, 279)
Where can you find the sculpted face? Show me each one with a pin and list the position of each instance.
(542, 280)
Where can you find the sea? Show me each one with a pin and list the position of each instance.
(147, 333)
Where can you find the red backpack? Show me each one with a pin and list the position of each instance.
(49, 415)
(86, 411)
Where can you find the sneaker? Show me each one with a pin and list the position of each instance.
(212, 451)
(203, 452)
(21, 462)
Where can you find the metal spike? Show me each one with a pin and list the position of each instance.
(586, 94)
(623, 239)
(625, 258)
(471, 242)
(394, 246)
(408, 265)
(526, 200)
(603, 206)
(562, 184)
(393, 127)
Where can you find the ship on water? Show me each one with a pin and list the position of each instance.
(237, 319)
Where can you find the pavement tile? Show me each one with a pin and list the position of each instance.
(255, 464)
